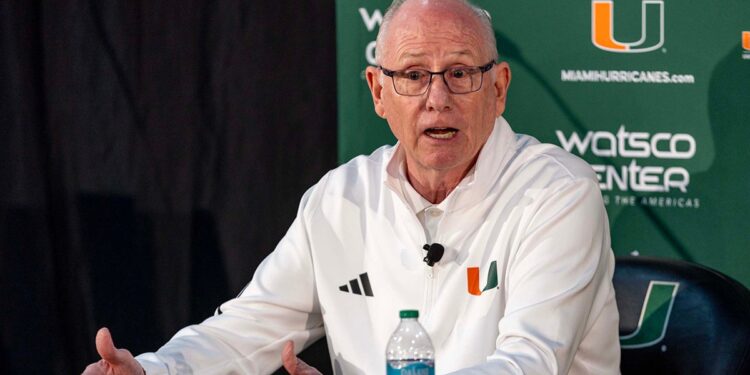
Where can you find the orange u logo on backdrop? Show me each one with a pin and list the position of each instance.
(602, 27)
(746, 40)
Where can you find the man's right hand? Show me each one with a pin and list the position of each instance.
(114, 361)
(293, 364)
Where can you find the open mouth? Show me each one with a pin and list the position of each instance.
(441, 133)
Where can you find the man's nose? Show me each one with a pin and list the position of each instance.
(439, 97)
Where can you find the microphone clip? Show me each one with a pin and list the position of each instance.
(434, 253)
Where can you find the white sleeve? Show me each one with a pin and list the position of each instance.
(558, 282)
(247, 333)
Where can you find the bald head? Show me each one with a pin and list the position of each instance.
(409, 10)
(441, 124)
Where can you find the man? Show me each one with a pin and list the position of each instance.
(526, 217)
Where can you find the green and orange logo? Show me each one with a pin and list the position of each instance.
(602, 27)
(472, 278)
(746, 40)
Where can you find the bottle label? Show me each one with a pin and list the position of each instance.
(412, 368)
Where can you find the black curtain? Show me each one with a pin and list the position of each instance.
(152, 153)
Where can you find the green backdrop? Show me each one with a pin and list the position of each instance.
(655, 94)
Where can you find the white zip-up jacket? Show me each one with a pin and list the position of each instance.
(525, 285)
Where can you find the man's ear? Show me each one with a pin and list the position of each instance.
(376, 89)
(502, 82)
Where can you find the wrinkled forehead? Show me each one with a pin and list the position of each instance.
(434, 29)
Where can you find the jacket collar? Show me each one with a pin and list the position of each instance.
(493, 158)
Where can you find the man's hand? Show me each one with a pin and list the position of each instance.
(294, 365)
(114, 361)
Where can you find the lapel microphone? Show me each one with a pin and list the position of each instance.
(434, 253)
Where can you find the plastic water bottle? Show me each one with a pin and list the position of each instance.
(410, 350)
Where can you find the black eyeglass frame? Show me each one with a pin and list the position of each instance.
(482, 69)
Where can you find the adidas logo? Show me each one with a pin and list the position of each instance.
(354, 286)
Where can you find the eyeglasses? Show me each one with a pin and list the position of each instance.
(459, 80)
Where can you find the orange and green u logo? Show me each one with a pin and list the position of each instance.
(472, 277)
(746, 40)
(602, 27)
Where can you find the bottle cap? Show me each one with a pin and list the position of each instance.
(408, 314)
